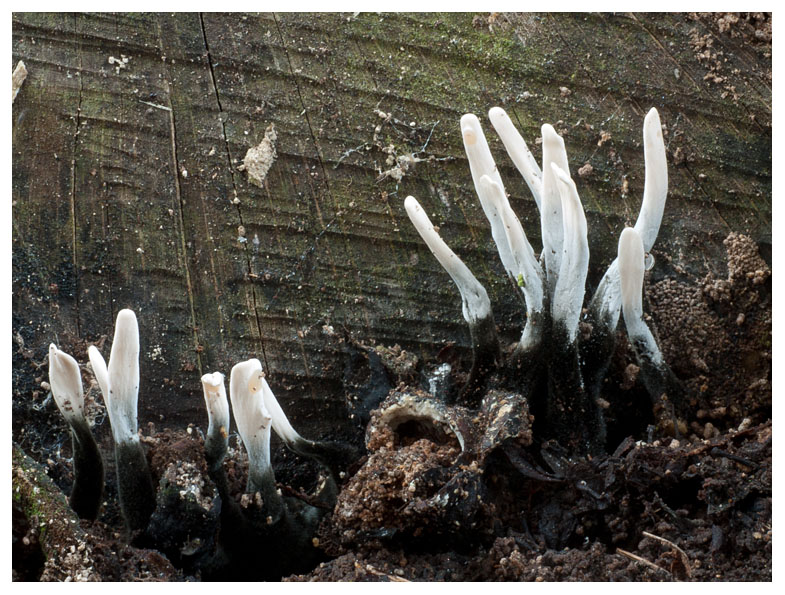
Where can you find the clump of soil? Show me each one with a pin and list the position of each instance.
(388, 490)
(676, 510)
(716, 336)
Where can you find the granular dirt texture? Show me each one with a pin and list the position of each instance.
(716, 335)
(681, 510)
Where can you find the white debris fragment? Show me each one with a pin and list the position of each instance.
(118, 63)
(17, 78)
(259, 159)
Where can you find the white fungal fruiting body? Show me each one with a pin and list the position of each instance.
(551, 225)
(518, 151)
(253, 419)
(631, 269)
(481, 164)
(526, 271)
(565, 252)
(66, 382)
(217, 404)
(570, 285)
(606, 303)
(655, 186)
(475, 302)
(88, 468)
(553, 286)
(281, 425)
(119, 382)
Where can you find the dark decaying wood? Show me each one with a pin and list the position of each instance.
(130, 130)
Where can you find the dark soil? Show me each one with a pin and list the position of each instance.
(692, 504)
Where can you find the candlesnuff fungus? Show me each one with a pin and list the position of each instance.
(475, 304)
(120, 387)
(605, 305)
(279, 529)
(216, 442)
(256, 412)
(558, 368)
(66, 382)
(254, 424)
(331, 455)
(655, 373)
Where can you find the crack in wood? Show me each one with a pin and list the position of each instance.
(321, 166)
(178, 194)
(74, 257)
(234, 190)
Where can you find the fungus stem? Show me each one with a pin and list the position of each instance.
(119, 384)
(66, 381)
(631, 269)
(655, 373)
(216, 443)
(476, 305)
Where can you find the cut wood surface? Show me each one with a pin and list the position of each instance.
(129, 188)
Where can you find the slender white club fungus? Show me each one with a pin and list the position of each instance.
(527, 271)
(481, 164)
(518, 151)
(88, 467)
(119, 382)
(570, 286)
(655, 186)
(475, 302)
(281, 425)
(253, 422)
(606, 303)
(217, 405)
(553, 151)
(631, 269)
(66, 382)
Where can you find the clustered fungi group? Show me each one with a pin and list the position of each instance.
(288, 523)
(556, 371)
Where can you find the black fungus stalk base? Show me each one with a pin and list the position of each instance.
(88, 489)
(134, 485)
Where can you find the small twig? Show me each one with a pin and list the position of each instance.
(643, 561)
(716, 452)
(157, 106)
(371, 570)
(684, 558)
(345, 154)
(679, 519)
